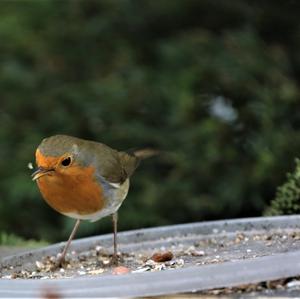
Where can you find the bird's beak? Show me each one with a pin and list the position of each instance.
(40, 172)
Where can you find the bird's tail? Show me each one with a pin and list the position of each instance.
(132, 158)
(145, 153)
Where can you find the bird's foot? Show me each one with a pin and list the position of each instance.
(114, 260)
(59, 263)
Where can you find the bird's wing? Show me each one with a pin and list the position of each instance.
(115, 167)
(129, 163)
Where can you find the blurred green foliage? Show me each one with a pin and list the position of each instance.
(215, 84)
(13, 240)
(287, 200)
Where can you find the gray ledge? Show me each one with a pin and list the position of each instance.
(190, 279)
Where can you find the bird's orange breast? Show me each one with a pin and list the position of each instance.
(74, 192)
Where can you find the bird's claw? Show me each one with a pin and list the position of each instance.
(114, 260)
(59, 263)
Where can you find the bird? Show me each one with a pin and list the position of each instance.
(84, 180)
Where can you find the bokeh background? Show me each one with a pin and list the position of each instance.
(213, 84)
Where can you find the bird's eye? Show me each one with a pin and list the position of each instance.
(66, 162)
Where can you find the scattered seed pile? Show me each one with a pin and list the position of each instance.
(176, 252)
(284, 287)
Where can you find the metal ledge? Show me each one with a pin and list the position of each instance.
(190, 279)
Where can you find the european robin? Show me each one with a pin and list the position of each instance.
(83, 179)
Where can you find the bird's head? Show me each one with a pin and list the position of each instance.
(57, 155)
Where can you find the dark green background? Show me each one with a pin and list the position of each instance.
(214, 84)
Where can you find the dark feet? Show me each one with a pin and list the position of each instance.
(114, 260)
(59, 263)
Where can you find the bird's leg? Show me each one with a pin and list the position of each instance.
(115, 228)
(61, 259)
